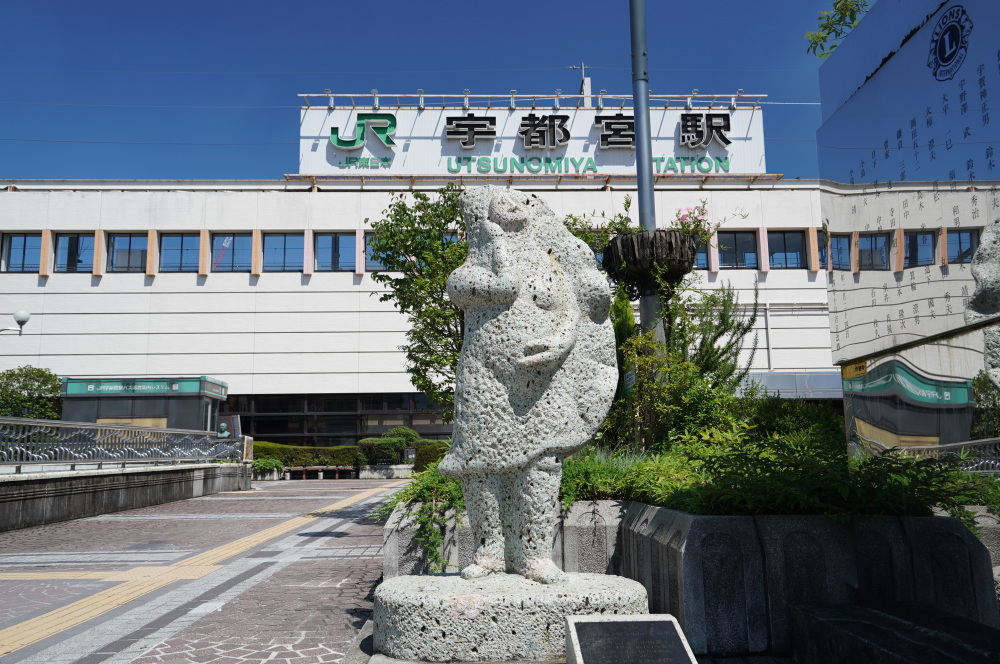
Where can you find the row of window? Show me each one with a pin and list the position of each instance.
(919, 248)
(284, 252)
(787, 249)
(179, 252)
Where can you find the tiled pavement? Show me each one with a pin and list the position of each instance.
(282, 574)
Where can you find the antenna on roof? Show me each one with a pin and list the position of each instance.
(584, 83)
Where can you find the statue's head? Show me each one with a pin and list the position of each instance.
(509, 210)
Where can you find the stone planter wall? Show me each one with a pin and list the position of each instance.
(386, 472)
(731, 581)
(268, 475)
(33, 499)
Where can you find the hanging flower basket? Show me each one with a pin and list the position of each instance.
(634, 259)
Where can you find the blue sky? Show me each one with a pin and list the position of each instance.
(81, 81)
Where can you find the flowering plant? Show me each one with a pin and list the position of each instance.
(694, 222)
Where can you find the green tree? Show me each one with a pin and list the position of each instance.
(834, 26)
(420, 243)
(710, 329)
(30, 392)
(986, 416)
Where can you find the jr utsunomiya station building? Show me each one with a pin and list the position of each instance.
(266, 286)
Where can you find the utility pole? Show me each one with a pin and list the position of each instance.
(649, 305)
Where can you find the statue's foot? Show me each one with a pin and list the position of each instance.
(484, 566)
(543, 570)
(475, 571)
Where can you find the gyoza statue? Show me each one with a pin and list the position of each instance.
(535, 379)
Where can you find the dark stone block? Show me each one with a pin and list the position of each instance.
(836, 634)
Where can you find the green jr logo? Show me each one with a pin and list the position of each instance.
(383, 124)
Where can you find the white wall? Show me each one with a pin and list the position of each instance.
(326, 332)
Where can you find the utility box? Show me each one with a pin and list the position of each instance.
(188, 402)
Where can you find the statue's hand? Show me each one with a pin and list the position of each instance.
(545, 353)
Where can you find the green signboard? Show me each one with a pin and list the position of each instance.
(183, 386)
(894, 377)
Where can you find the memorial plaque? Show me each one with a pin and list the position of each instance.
(626, 640)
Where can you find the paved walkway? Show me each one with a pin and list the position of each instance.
(282, 574)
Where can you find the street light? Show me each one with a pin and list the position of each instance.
(20, 317)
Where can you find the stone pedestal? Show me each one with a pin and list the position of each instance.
(504, 617)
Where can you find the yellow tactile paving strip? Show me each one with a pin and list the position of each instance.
(141, 581)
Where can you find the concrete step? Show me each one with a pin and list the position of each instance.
(907, 634)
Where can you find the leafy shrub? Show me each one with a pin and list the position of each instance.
(379, 451)
(771, 415)
(295, 455)
(405, 434)
(435, 495)
(986, 416)
(431, 451)
(266, 464)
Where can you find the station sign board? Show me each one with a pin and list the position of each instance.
(95, 387)
(524, 142)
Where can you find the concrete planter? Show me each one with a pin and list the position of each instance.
(731, 581)
(37, 498)
(386, 472)
(268, 475)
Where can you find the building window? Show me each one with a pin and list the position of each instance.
(840, 252)
(919, 248)
(232, 252)
(822, 240)
(75, 252)
(371, 265)
(873, 251)
(179, 252)
(336, 253)
(127, 252)
(701, 257)
(21, 252)
(738, 249)
(283, 252)
(962, 245)
(786, 250)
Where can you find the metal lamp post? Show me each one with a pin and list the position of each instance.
(20, 317)
(649, 305)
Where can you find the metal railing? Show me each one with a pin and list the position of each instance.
(34, 442)
(599, 100)
(980, 456)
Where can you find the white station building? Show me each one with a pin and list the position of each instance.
(266, 286)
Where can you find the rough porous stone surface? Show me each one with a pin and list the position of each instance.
(535, 379)
(442, 618)
(985, 302)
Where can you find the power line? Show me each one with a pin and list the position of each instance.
(230, 108)
(378, 71)
(44, 103)
(66, 140)
(275, 73)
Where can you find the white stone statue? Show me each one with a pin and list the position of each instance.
(535, 379)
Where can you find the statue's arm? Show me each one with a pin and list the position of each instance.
(549, 351)
(487, 277)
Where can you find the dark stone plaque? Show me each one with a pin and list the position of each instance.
(631, 642)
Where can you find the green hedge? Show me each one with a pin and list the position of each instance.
(294, 455)
(381, 451)
(388, 450)
(406, 434)
(430, 452)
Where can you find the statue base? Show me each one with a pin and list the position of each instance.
(499, 618)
